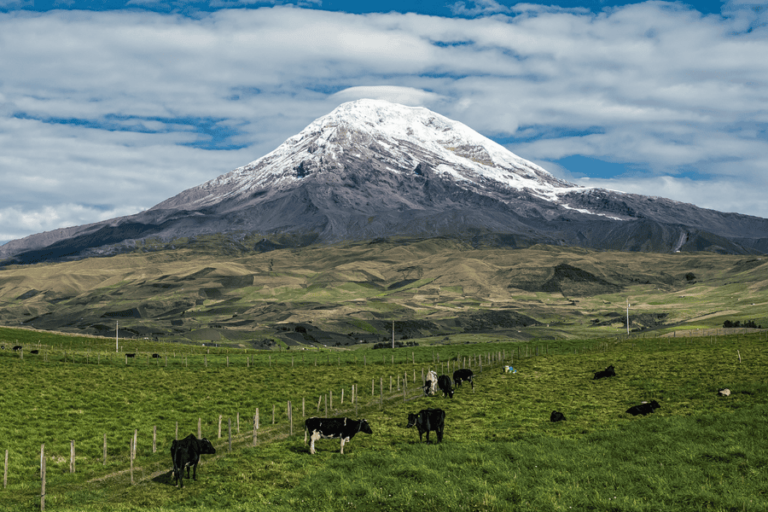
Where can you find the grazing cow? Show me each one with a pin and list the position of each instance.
(556, 416)
(186, 453)
(608, 372)
(130, 355)
(463, 375)
(643, 408)
(17, 348)
(155, 356)
(426, 420)
(34, 352)
(332, 428)
(444, 383)
(430, 384)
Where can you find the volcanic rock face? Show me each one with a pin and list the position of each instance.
(375, 169)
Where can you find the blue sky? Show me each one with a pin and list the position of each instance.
(108, 108)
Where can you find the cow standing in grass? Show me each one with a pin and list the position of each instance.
(333, 428)
(186, 453)
(430, 385)
(427, 420)
(444, 383)
(463, 375)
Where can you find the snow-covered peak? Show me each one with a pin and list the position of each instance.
(392, 138)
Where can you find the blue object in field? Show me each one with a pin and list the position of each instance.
(509, 369)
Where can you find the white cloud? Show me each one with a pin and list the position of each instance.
(112, 106)
(478, 7)
(396, 94)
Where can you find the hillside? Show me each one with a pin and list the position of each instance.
(341, 294)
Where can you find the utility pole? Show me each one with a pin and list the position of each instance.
(117, 327)
(393, 334)
(627, 316)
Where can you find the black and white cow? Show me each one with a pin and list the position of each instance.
(444, 383)
(427, 420)
(643, 408)
(186, 453)
(463, 375)
(608, 372)
(17, 348)
(556, 416)
(35, 352)
(155, 356)
(130, 355)
(333, 428)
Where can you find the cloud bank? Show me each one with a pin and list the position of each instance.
(109, 113)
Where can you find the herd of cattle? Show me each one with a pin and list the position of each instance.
(186, 453)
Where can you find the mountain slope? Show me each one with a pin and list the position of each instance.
(374, 169)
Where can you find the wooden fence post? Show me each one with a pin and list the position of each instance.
(219, 426)
(135, 441)
(319, 401)
(273, 414)
(154, 439)
(255, 426)
(238, 422)
(130, 456)
(176, 435)
(342, 396)
(229, 424)
(72, 456)
(42, 477)
(105, 451)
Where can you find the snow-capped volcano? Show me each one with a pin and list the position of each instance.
(372, 169)
(395, 139)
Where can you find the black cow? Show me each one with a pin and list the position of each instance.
(34, 351)
(332, 428)
(186, 453)
(17, 348)
(444, 383)
(556, 416)
(608, 372)
(130, 355)
(155, 356)
(463, 375)
(643, 408)
(426, 420)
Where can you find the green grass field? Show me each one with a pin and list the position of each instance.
(697, 452)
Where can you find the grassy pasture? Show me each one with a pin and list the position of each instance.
(698, 452)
